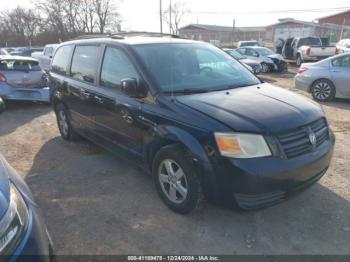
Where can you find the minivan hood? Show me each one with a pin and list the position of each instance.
(258, 109)
(4, 188)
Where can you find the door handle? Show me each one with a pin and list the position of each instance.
(98, 99)
(336, 71)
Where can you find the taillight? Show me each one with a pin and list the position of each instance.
(308, 51)
(302, 70)
(2, 78)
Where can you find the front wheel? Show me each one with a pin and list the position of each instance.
(66, 130)
(323, 90)
(265, 68)
(176, 180)
(2, 105)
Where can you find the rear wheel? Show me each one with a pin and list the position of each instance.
(323, 90)
(66, 130)
(176, 180)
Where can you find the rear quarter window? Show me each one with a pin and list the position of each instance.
(85, 62)
(61, 59)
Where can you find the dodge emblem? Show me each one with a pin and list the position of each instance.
(312, 138)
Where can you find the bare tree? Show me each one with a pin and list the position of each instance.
(175, 15)
(107, 15)
(21, 23)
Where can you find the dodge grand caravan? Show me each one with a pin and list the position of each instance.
(199, 121)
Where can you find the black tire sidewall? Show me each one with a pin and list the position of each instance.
(299, 61)
(332, 94)
(2, 105)
(194, 194)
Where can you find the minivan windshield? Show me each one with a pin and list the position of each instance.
(197, 67)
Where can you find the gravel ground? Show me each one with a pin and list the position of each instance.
(96, 203)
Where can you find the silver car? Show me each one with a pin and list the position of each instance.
(22, 78)
(326, 79)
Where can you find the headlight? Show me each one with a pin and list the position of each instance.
(13, 224)
(239, 145)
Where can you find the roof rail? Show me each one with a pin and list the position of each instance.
(122, 35)
(94, 36)
(144, 33)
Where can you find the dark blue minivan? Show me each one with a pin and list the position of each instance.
(23, 234)
(199, 121)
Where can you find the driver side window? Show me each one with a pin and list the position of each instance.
(116, 66)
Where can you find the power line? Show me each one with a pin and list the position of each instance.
(314, 10)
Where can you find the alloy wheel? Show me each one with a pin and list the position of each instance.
(63, 122)
(265, 68)
(322, 90)
(173, 181)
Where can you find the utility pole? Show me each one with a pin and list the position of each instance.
(233, 32)
(342, 30)
(170, 26)
(160, 16)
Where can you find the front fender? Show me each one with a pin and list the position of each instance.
(165, 135)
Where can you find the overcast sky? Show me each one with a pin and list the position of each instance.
(143, 14)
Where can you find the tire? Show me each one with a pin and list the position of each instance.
(299, 61)
(63, 122)
(265, 68)
(2, 105)
(323, 90)
(173, 172)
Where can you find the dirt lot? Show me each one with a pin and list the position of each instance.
(95, 203)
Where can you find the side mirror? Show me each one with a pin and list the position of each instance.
(132, 88)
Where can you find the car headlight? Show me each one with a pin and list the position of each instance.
(14, 223)
(240, 145)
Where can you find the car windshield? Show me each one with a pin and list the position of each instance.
(196, 67)
(236, 55)
(19, 65)
(264, 51)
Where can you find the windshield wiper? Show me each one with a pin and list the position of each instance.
(187, 91)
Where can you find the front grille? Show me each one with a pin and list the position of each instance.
(297, 142)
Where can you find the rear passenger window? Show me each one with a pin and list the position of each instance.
(61, 59)
(84, 63)
(116, 67)
(343, 61)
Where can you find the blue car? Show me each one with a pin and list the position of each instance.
(22, 230)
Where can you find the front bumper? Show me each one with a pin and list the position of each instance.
(257, 183)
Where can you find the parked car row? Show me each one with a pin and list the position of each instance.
(260, 59)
